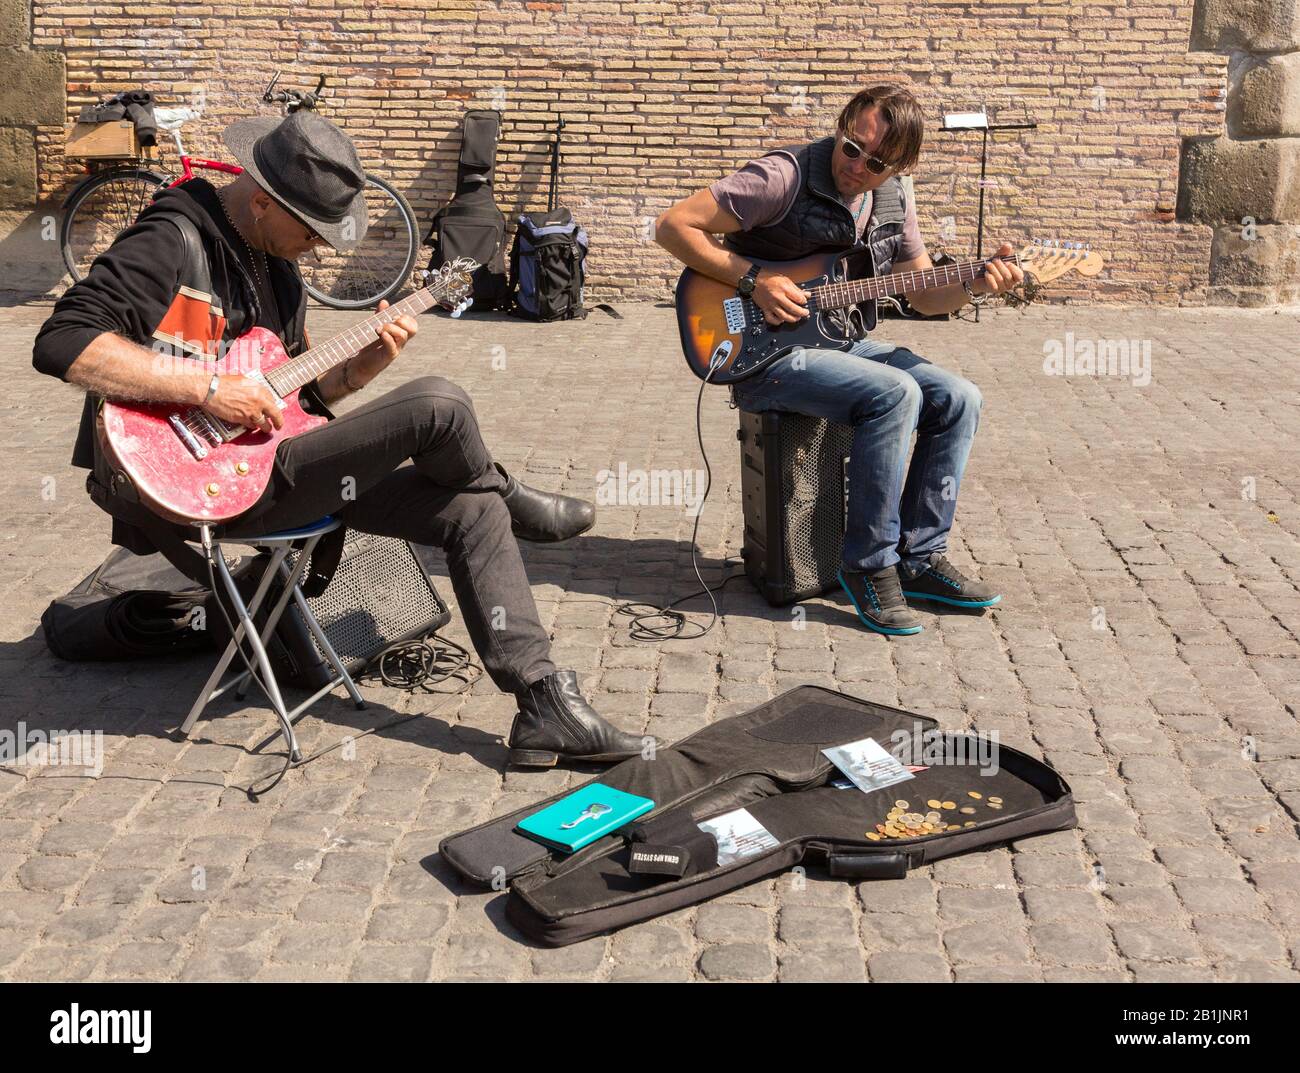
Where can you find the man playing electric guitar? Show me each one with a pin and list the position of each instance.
(203, 266)
(831, 195)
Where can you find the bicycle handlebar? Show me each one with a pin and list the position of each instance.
(293, 99)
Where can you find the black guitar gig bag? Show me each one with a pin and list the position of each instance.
(471, 225)
(768, 762)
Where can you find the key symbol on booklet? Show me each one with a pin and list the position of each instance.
(591, 812)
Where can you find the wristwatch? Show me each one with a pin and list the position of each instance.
(746, 285)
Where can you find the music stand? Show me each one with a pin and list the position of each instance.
(961, 122)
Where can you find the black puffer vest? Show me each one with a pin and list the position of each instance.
(818, 221)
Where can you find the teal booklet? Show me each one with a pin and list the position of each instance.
(583, 816)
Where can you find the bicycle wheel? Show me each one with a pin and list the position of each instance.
(99, 210)
(378, 266)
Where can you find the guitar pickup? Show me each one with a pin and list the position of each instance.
(734, 309)
(209, 426)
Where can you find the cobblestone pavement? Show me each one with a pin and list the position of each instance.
(1145, 540)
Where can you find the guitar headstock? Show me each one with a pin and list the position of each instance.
(1046, 259)
(452, 282)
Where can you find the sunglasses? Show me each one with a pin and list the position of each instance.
(853, 150)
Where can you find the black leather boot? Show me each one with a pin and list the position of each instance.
(554, 720)
(544, 517)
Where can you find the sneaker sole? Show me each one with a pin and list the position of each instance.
(904, 631)
(950, 600)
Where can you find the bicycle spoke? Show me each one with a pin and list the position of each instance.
(375, 265)
(102, 214)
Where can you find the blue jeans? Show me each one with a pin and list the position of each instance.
(885, 393)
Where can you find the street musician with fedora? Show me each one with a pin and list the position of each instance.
(202, 266)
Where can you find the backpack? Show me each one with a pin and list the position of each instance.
(471, 225)
(547, 263)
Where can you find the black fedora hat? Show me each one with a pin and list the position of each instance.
(309, 166)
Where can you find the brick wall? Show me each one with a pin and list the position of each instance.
(663, 97)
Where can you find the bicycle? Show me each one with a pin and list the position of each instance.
(104, 204)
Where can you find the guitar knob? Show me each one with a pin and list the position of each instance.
(241, 468)
(213, 489)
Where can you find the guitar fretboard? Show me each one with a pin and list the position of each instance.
(334, 351)
(851, 292)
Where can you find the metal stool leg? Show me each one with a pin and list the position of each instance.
(289, 578)
(341, 672)
(248, 629)
(211, 691)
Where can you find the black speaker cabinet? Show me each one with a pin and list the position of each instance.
(380, 594)
(793, 481)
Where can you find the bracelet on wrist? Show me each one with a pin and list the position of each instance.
(975, 299)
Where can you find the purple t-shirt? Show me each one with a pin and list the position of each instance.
(763, 190)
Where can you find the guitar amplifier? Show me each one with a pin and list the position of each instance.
(380, 594)
(794, 487)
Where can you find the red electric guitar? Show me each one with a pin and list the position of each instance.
(191, 467)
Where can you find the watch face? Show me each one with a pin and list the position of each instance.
(746, 286)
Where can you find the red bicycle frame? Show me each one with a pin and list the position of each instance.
(189, 163)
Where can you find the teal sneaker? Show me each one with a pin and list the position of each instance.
(878, 600)
(939, 580)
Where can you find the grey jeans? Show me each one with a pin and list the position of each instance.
(412, 464)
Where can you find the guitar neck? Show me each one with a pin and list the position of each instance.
(851, 292)
(310, 364)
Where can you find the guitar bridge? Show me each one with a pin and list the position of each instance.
(734, 309)
(187, 437)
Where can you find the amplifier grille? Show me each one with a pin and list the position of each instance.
(813, 455)
(379, 594)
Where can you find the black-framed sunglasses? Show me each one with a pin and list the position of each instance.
(853, 150)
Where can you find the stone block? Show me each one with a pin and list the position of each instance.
(34, 89)
(1264, 98)
(1222, 180)
(1253, 25)
(1259, 271)
(15, 23)
(17, 168)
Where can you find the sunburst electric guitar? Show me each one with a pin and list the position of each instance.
(189, 466)
(726, 339)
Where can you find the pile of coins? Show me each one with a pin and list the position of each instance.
(900, 822)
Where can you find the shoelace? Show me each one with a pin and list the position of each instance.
(889, 590)
(942, 566)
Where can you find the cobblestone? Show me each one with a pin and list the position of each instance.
(1146, 543)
